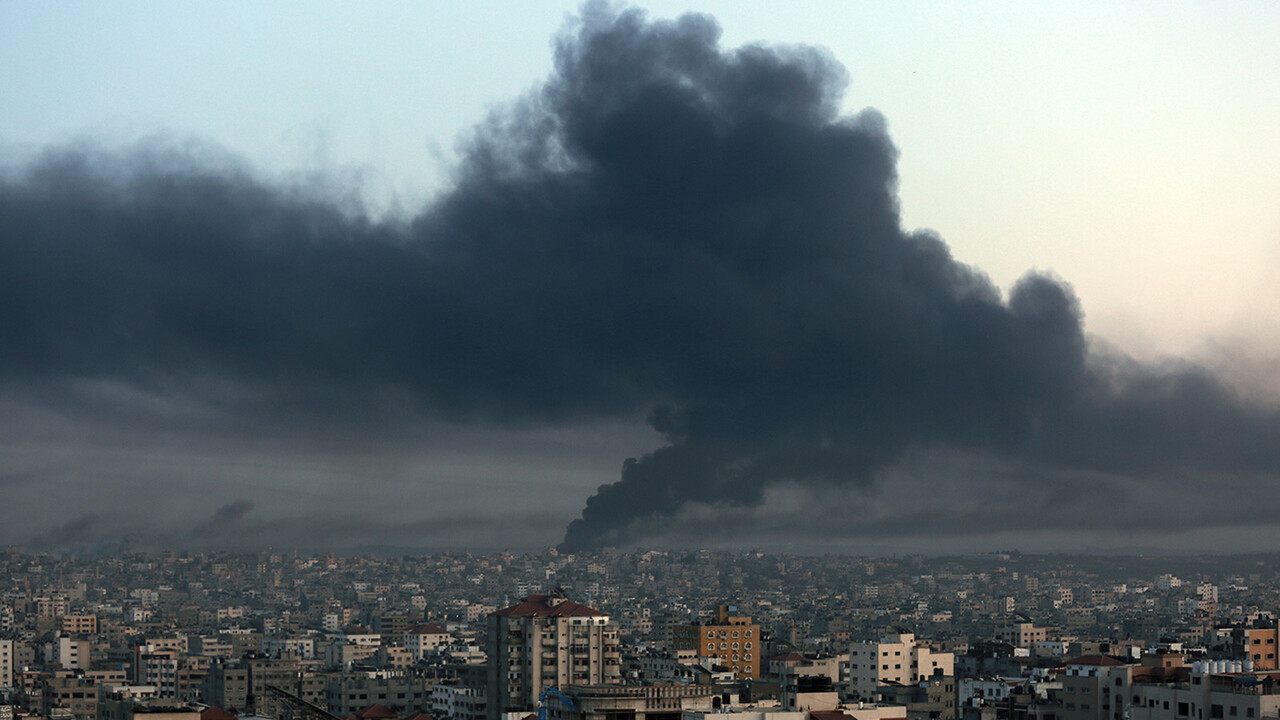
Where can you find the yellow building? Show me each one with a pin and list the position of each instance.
(732, 640)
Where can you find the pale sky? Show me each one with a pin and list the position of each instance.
(1127, 148)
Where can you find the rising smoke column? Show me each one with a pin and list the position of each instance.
(814, 340)
(665, 227)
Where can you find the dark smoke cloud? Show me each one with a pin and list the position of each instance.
(223, 520)
(76, 530)
(665, 228)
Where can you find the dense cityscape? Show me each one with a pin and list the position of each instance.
(641, 634)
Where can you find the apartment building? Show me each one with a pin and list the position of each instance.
(732, 640)
(895, 658)
(547, 641)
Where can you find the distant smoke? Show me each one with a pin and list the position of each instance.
(665, 227)
(223, 519)
(76, 530)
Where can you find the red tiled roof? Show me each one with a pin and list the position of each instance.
(374, 711)
(428, 629)
(213, 712)
(542, 606)
(419, 716)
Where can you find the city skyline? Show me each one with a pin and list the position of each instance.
(213, 344)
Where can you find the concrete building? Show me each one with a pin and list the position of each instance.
(71, 653)
(809, 693)
(616, 702)
(1209, 690)
(1258, 645)
(932, 698)
(425, 638)
(347, 694)
(6, 664)
(1021, 634)
(896, 657)
(734, 640)
(157, 665)
(77, 695)
(133, 709)
(547, 641)
(79, 624)
(456, 701)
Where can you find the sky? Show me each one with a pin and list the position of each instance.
(425, 274)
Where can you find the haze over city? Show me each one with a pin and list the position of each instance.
(893, 277)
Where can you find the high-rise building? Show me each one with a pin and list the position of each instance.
(732, 640)
(547, 641)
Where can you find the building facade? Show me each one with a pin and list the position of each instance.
(547, 641)
(894, 658)
(732, 640)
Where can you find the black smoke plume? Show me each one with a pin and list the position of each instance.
(664, 227)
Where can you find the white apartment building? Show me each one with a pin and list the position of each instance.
(425, 638)
(898, 657)
(72, 653)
